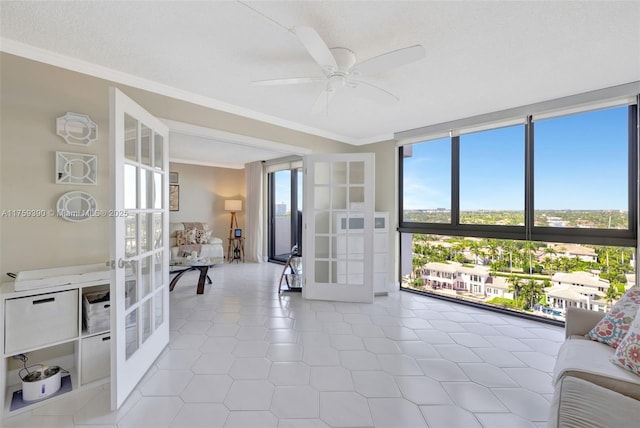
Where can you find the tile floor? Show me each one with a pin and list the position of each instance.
(243, 356)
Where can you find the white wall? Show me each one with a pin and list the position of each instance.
(29, 108)
(203, 191)
(33, 96)
(386, 195)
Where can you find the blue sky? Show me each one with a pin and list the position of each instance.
(283, 187)
(580, 163)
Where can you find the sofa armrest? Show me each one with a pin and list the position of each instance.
(580, 321)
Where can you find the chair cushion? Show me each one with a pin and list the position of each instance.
(614, 326)
(577, 403)
(186, 237)
(627, 354)
(590, 361)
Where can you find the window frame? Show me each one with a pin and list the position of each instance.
(530, 232)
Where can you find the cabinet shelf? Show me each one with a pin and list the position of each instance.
(86, 356)
(20, 408)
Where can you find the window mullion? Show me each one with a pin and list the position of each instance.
(455, 181)
(528, 179)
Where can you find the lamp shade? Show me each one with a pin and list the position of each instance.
(233, 205)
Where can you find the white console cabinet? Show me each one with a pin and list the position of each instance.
(45, 323)
(381, 283)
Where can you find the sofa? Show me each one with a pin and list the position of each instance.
(211, 247)
(590, 390)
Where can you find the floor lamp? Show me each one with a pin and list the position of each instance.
(233, 205)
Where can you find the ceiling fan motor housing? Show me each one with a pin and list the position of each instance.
(345, 58)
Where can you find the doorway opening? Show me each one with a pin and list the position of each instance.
(285, 213)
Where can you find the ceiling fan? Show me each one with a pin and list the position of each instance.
(342, 71)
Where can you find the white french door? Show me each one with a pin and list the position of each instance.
(338, 216)
(140, 289)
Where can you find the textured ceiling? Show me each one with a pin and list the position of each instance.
(480, 56)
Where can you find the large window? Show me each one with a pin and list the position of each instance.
(492, 177)
(427, 188)
(569, 178)
(542, 214)
(582, 170)
(539, 278)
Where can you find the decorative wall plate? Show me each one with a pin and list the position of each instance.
(76, 168)
(77, 129)
(76, 206)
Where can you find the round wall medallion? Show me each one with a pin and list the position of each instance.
(76, 206)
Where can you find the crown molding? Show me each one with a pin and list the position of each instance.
(45, 56)
(229, 137)
(210, 164)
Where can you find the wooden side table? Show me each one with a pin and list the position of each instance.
(235, 250)
(182, 269)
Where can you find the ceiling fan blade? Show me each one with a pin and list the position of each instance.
(321, 105)
(316, 47)
(287, 81)
(388, 60)
(373, 93)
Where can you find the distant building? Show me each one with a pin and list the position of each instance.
(440, 275)
(281, 208)
(456, 277)
(631, 280)
(574, 250)
(580, 279)
(497, 286)
(473, 279)
(556, 222)
(579, 290)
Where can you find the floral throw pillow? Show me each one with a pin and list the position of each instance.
(202, 236)
(614, 326)
(186, 237)
(627, 354)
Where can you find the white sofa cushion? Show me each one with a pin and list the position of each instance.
(213, 249)
(590, 360)
(577, 403)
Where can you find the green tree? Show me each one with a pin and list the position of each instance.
(515, 287)
(476, 250)
(511, 250)
(493, 249)
(532, 291)
(612, 293)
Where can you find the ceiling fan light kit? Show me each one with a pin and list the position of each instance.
(341, 69)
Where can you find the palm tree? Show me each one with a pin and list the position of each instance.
(612, 293)
(476, 249)
(515, 287)
(510, 248)
(492, 249)
(459, 247)
(528, 250)
(532, 290)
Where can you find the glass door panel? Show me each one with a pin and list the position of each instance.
(339, 265)
(281, 215)
(141, 252)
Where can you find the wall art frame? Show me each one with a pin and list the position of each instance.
(77, 129)
(76, 168)
(76, 206)
(174, 197)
